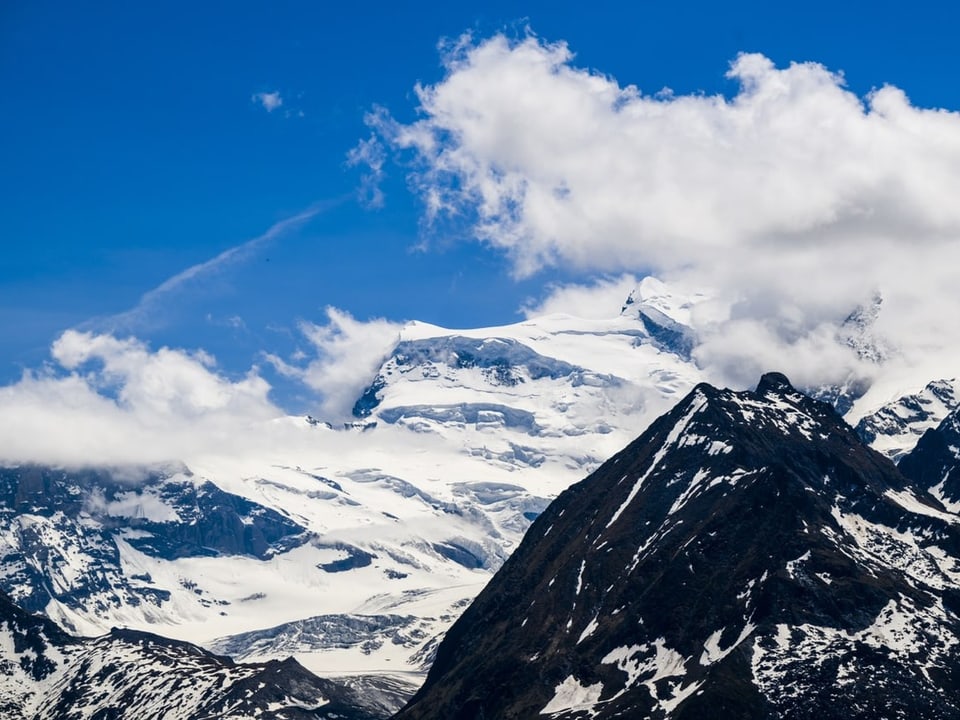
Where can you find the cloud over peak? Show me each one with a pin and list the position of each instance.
(793, 200)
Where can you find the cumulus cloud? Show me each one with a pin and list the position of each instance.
(107, 400)
(269, 101)
(104, 400)
(794, 200)
(346, 356)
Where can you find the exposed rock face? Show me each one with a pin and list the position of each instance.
(747, 557)
(934, 464)
(895, 428)
(60, 531)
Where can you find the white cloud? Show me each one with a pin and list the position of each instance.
(105, 400)
(162, 384)
(600, 299)
(370, 154)
(269, 101)
(794, 200)
(110, 400)
(348, 353)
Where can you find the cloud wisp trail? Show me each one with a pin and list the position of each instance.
(152, 302)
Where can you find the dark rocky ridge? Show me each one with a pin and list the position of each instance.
(934, 464)
(55, 676)
(746, 557)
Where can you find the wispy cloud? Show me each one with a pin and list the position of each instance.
(346, 355)
(269, 101)
(149, 310)
(369, 154)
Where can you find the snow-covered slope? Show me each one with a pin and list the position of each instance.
(895, 427)
(181, 557)
(934, 464)
(536, 384)
(665, 314)
(351, 549)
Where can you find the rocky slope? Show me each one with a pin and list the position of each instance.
(47, 674)
(748, 556)
(934, 464)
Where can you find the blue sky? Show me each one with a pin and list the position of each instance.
(132, 149)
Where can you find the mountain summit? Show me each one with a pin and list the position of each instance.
(746, 557)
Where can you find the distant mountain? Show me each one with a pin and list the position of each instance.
(858, 331)
(47, 674)
(65, 532)
(665, 315)
(544, 389)
(746, 557)
(895, 428)
(934, 464)
(166, 551)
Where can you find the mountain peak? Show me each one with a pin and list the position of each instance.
(747, 556)
(665, 313)
(774, 382)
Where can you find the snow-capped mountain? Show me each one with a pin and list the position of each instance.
(353, 549)
(895, 428)
(530, 389)
(64, 535)
(858, 331)
(175, 554)
(747, 556)
(665, 315)
(47, 674)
